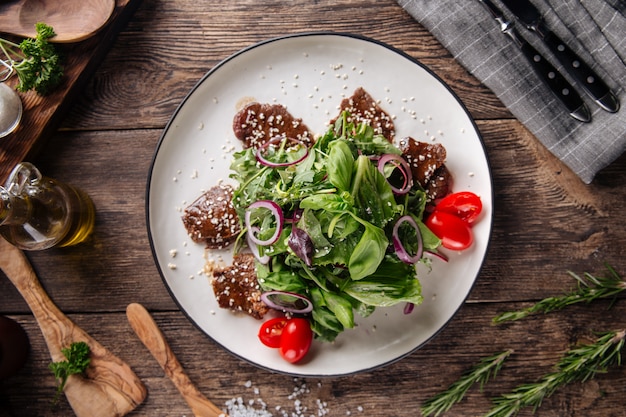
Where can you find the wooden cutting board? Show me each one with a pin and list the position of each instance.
(42, 114)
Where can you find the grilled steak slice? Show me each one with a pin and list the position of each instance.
(364, 109)
(236, 287)
(212, 219)
(258, 123)
(427, 162)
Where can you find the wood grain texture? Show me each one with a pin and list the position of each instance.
(42, 114)
(151, 336)
(110, 387)
(72, 21)
(546, 222)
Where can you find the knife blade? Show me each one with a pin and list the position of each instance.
(593, 85)
(559, 86)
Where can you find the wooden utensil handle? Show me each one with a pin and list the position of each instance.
(57, 329)
(111, 387)
(151, 336)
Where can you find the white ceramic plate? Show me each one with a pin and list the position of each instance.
(310, 74)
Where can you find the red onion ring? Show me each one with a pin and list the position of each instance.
(290, 307)
(277, 213)
(436, 254)
(408, 308)
(404, 168)
(254, 248)
(263, 161)
(403, 255)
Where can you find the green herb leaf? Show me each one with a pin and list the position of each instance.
(480, 373)
(340, 162)
(338, 197)
(36, 61)
(368, 253)
(78, 360)
(590, 288)
(578, 364)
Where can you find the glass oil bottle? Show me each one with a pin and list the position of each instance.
(37, 212)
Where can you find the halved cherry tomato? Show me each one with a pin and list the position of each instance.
(463, 204)
(454, 233)
(271, 331)
(296, 339)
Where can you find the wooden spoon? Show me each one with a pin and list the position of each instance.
(144, 325)
(110, 387)
(72, 20)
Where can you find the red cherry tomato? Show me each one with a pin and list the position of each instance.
(454, 233)
(463, 204)
(296, 339)
(271, 331)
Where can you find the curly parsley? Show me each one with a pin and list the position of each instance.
(78, 360)
(35, 61)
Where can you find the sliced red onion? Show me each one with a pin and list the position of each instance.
(287, 301)
(408, 308)
(254, 248)
(399, 162)
(263, 161)
(277, 213)
(436, 254)
(399, 247)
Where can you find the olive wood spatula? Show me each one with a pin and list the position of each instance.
(148, 332)
(110, 388)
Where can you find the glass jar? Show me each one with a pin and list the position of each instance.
(38, 213)
(10, 110)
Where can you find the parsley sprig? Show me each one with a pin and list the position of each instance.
(78, 360)
(590, 288)
(35, 61)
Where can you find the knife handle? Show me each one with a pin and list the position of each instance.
(561, 88)
(588, 79)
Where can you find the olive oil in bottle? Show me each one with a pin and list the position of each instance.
(38, 213)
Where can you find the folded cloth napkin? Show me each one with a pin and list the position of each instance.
(595, 29)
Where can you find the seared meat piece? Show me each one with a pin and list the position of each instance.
(258, 123)
(236, 287)
(439, 185)
(364, 109)
(427, 166)
(212, 219)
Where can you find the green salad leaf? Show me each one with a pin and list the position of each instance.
(337, 196)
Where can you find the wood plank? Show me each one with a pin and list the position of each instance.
(538, 343)
(546, 222)
(161, 55)
(43, 114)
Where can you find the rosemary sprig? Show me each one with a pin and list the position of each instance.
(479, 373)
(578, 364)
(589, 288)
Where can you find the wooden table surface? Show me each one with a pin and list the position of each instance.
(546, 222)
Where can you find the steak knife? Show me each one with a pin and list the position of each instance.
(559, 86)
(528, 14)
